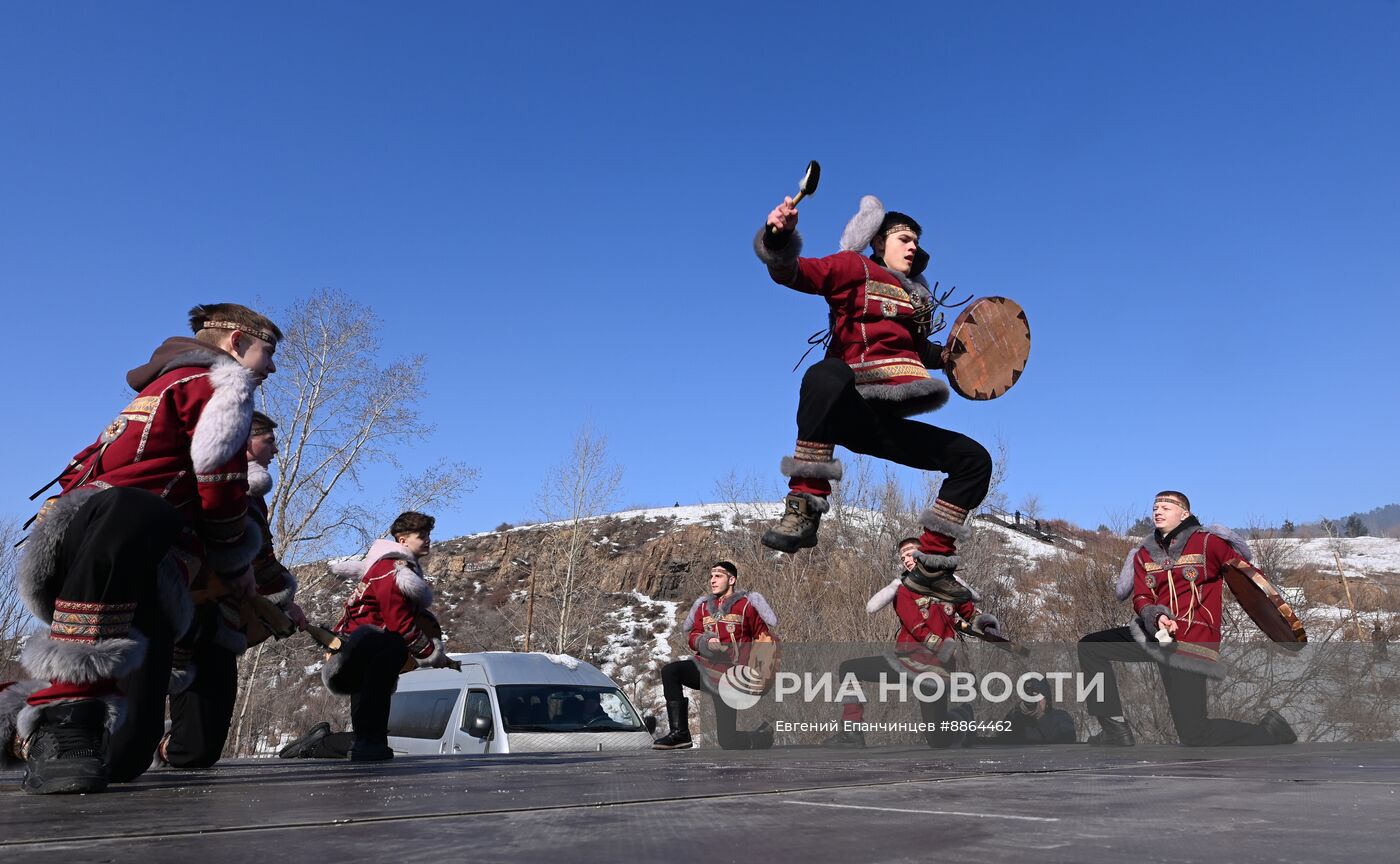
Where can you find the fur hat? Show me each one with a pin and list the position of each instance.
(871, 221)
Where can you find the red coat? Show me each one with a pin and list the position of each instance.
(926, 632)
(1185, 581)
(183, 437)
(390, 595)
(876, 324)
(736, 623)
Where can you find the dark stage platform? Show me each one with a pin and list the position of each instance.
(1302, 803)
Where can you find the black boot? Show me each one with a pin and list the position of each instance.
(761, 738)
(851, 738)
(937, 583)
(65, 751)
(1275, 725)
(302, 747)
(1116, 733)
(678, 715)
(371, 749)
(797, 529)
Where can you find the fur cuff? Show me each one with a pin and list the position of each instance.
(222, 429)
(987, 623)
(181, 679)
(938, 562)
(439, 654)
(882, 598)
(1148, 616)
(817, 502)
(235, 557)
(36, 575)
(259, 480)
(931, 521)
(792, 467)
(284, 597)
(778, 259)
(1168, 656)
(12, 702)
(81, 662)
(915, 397)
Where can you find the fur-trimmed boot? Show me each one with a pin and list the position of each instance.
(678, 715)
(1116, 733)
(64, 753)
(797, 529)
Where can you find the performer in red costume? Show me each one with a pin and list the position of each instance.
(1175, 582)
(875, 376)
(160, 496)
(721, 629)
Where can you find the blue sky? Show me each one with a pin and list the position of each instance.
(1198, 205)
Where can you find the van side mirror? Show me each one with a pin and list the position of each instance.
(649, 721)
(480, 727)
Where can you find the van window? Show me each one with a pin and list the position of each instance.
(565, 708)
(421, 713)
(478, 705)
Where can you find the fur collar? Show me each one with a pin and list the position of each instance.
(408, 573)
(222, 429)
(707, 601)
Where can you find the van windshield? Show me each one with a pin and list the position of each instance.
(565, 708)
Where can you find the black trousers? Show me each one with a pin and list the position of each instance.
(201, 715)
(677, 675)
(831, 411)
(872, 669)
(1186, 693)
(110, 555)
(378, 657)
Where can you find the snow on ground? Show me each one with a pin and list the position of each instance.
(634, 663)
(1360, 555)
(1022, 546)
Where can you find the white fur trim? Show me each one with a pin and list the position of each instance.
(282, 599)
(222, 429)
(81, 662)
(259, 479)
(1169, 656)
(760, 605)
(439, 654)
(1238, 543)
(861, 229)
(411, 584)
(778, 259)
(1124, 589)
(884, 597)
(920, 397)
(35, 576)
(12, 702)
(792, 467)
(694, 611)
(818, 503)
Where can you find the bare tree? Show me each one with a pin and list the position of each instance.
(339, 411)
(15, 620)
(581, 487)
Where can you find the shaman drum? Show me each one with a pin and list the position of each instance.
(1265, 605)
(988, 347)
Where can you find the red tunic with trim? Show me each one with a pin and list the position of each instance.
(736, 623)
(874, 322)
(177, 440)
(390, 596)
(925, 628)
(1189, 584)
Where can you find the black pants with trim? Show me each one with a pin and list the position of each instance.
(677, 675)
(831, 411)
(1186, 693)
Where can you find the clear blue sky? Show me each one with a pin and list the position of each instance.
(1197, 203)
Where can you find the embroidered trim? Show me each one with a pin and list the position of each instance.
(219, 478)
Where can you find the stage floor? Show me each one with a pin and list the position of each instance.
(1072, 803)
